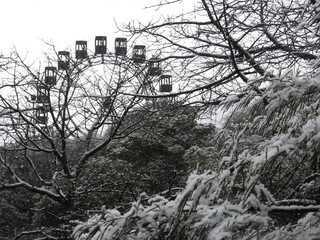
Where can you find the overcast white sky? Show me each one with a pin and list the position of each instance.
(25, 23)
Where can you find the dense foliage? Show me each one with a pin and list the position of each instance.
(267, 183)
(150, 160)
(114, 158)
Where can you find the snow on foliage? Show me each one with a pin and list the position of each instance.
(306, 228)
(237, 200)
(267, 186)
(200, 210)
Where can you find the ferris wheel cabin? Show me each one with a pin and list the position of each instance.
(139, 53)
(121, 46)
(154, 67)
(41, 115)
(50, 75)
(165, 83)
(81, 50)
(63, 60)
(100, 45)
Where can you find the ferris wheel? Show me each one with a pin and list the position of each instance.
(138, 57)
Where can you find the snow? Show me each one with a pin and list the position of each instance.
(231, 98)
(302, 25)
(232, 202)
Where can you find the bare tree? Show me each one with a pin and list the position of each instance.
(221, 51)
(55, 118)
(260, 58)
(220, 45)
(231, 52)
